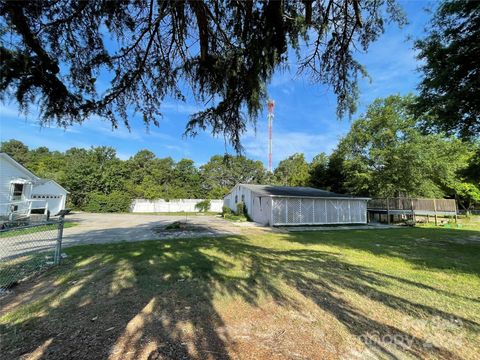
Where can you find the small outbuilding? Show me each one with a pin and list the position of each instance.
(285, 205)
(22, 193)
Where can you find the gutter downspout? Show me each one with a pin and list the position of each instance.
(271, 211)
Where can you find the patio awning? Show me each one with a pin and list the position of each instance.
(21, 181)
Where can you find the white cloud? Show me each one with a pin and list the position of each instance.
(9, 112)
(123, 156)
(181, 108)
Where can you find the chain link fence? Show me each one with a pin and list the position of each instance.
(26, 250)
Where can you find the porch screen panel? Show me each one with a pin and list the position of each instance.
(362, 210)
(279, 211)
(343, 211)
(307, 211)
(294, 211)
(320, 213)
(354, 212)
(332, 212)
(358, 211)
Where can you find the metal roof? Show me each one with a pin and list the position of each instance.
(290, 191)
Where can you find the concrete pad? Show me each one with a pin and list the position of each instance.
(341, 227)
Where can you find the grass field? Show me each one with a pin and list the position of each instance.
(399, 293)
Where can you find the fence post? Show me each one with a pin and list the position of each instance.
(58, 247)
(456, 217)
(388, 211)
(414, 218)
(435, 209)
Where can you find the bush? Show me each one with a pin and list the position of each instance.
(226, 211)
(114, 202)
(203, 206)
(241, 209)
(228, 214)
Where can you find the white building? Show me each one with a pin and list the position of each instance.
(22, 193)
(284, 205)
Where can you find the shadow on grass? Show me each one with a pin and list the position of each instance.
(430, 248)
(135, 300)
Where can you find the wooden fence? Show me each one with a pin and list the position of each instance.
(413, 207)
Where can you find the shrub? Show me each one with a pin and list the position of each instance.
(114, 202)
(177, 225)
(241, 209)
(226, 211)
(203, 206)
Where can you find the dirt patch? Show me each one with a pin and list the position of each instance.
(184, 229)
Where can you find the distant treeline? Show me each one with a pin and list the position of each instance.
(385, 154)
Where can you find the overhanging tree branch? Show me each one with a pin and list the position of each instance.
(152, 49)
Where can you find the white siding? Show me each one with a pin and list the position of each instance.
(236, 194)
(261, 209)
(9, 172)
(49, 193)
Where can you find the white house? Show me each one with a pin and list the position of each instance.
(284, 205)
(23, 193)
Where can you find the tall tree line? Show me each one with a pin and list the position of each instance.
(385, 154)
(97, 178)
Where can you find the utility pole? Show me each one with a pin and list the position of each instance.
(271, 105)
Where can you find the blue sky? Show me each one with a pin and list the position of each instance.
(305, 119)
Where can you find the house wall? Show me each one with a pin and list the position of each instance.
(9, 172)
(261, 209)
(315, 211)
(49, 193)
(177, 205)
(239, 193)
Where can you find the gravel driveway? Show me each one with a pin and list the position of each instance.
(106, 228)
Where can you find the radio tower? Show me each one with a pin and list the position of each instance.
(271, 105)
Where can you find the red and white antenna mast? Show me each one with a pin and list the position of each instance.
(271, 106)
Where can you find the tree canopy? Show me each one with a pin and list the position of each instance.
(449, 98)
(96, 177)
(385, 154)
(109, 59)
(293, 171)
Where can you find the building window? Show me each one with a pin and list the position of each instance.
(243, 198)
(17, 191)
(236, 199)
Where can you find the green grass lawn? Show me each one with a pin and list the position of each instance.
(397, 293)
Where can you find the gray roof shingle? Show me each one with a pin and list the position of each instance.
(273, 190)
